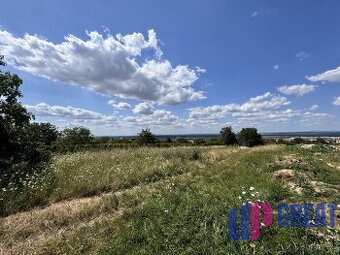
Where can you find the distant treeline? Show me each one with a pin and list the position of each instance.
(80, 138)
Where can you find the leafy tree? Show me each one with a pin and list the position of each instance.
(73, 138)
(249, 137)
(228, 136)
(45, 133)
(21, 155)
(145, 137)
(16, 145)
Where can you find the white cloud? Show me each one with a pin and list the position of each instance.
(256, 104)
(200, 70)
(120, 105)
(328, 76)
(263, 111)
(300, 89)
(157, 117)
(144, 108)
(70, 114)
(314, 107)
(67, 116)
(302, 55)
(254, 14)
(271, 116)
(105, 64)
(337, 101)
(276, 67)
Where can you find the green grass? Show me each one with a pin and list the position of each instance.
(170, 203)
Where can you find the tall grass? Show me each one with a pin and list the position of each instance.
(173, 201)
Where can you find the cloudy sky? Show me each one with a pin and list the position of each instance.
(176, 66)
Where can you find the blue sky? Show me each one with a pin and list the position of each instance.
(176, 66)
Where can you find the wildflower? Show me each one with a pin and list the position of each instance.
(251, 188)
(3, 99)
(240, 197)
(243, 192)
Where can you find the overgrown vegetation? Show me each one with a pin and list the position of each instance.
(67, 192)
(172, 200)
(25, 150)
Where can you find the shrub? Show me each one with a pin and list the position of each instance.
(145, 137)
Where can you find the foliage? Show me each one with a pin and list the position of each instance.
(181, 140)
(146, 137)
(199, 141)
(45, 133)
(23, 146)
(72, 139)
(228, 137)
(320, 140)
(249, 137)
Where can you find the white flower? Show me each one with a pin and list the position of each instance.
(243, 192)
(240, 197)
(3, 99)
(252, 195)
(251, 188)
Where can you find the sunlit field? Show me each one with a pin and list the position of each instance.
(174, 201)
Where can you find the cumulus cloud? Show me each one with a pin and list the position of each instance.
(264, 110)
(302, 55)
(64, 116)
(337, 101)
(157, 117)
(314, 107)
(144, 108)
(271, 116)
(69, 113)
(328, 76)
(276, 67)
(256, 104)
(106, 64)
(299, 90)
(120, 105)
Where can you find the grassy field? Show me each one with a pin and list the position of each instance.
(174, 201)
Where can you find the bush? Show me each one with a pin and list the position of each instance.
(145, 137)
(249, 137)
